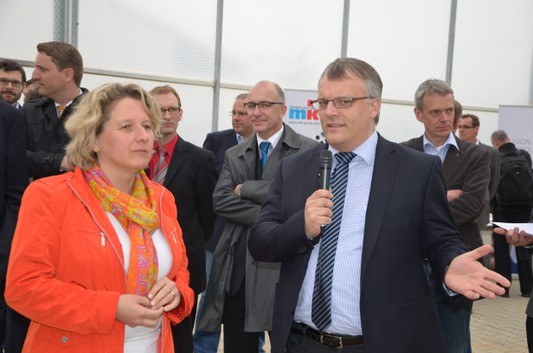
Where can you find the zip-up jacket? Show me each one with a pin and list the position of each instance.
(66, 269)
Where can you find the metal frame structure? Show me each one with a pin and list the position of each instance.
(66, 17)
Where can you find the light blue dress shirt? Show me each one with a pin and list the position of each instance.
(439, 151)
(346, 286)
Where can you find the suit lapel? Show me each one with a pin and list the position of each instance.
(176, 161)
(383, 180)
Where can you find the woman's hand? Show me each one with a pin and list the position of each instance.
(134, 310)
(164, 294)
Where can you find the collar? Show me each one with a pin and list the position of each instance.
(449, 141)
(70, 102)
(274, 139)
(366, 150)
(169, 147)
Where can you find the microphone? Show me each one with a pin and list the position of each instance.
(324, 169)
(324, 174)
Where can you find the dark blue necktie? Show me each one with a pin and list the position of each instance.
(321, 309)
(264, 146)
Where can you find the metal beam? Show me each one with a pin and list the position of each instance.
(345, 27)
(451, 42)
(66, 21)
(218, 60)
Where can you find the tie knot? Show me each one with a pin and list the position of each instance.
(60, 110)
(345, 157)
(265, 145)
(162, 151)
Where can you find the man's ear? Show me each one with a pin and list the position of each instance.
(69, 73)
(418, 114)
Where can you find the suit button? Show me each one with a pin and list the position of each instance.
(64, 339)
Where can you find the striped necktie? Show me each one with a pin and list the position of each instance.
(160, 169)
(321, 307)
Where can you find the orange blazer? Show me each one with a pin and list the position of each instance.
(66, 268)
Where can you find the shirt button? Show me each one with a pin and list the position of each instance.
(64, 339)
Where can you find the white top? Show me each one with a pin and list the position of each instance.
(143, 339)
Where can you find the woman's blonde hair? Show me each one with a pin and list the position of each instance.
(93, 111)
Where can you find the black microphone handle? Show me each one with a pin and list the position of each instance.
(324, 175)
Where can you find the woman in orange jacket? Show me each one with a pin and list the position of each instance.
(98, 262)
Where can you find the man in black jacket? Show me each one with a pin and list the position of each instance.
(58, 70)
(466, 169)
(13, 181)
(513, 213)
(189, 173)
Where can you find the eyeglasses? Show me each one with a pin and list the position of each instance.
(4, 82)
(262, 105)
(174, 111)
(465, 127)
(240, 114)
(339, 102)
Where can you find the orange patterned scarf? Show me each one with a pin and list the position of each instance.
(138, 216)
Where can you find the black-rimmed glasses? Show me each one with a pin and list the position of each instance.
(15, 83)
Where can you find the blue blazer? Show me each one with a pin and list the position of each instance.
(218, 142)
(13, 176)
(407, 219)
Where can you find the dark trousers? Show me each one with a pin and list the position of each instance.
(235, 339)
(16, 330)
(529, 333)
(300, 344)
(502, 259)
(182, 333)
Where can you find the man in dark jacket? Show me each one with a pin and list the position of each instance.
(13, 181)
(466, 169)
(189, 173)
(517, 213)
(58, 70)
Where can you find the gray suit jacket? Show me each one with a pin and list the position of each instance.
(240, 213)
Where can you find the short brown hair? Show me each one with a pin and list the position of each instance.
(92, 112)
(475, 119)
(166, 89)
(64, 55)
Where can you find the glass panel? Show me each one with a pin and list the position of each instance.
(196, 101)
(24, 25)
(494, 53)
(168, 38)
(405, 41)
(288, 42)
